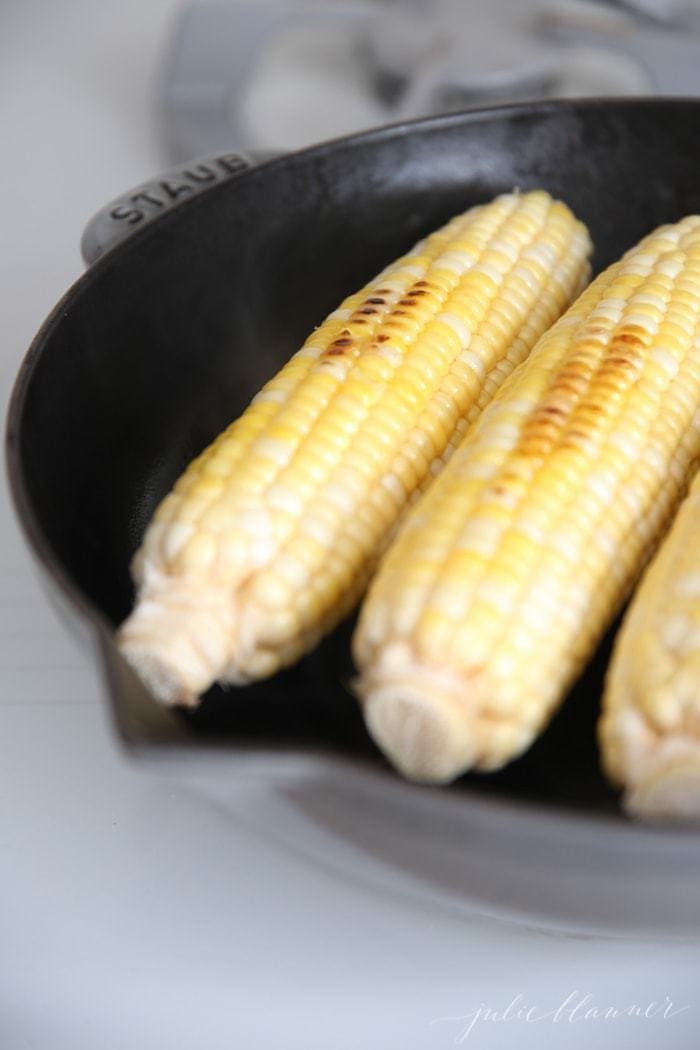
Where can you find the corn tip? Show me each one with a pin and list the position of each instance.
(159, 677)
(669, 792)
(178, 642)
(426, 741)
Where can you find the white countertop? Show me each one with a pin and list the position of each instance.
(138, 911)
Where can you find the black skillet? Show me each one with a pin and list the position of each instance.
(166, 338)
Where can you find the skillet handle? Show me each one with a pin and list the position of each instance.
(117, 220)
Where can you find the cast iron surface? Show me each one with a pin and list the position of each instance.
(166, 339)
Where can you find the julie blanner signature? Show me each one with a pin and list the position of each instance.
(577, 1007)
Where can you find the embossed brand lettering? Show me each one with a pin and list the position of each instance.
(232, 164)
(173, 191)
(124, 213)
(200, 174)
(162, 194)
(148, 197)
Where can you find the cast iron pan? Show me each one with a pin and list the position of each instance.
(168, 336)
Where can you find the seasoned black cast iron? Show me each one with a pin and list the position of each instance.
(170, 334)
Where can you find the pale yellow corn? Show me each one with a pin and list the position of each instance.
(650, 727)
(269, 537)
(506, 573)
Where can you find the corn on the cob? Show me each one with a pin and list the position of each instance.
(505, 574)
(269, 537)
(650, 727)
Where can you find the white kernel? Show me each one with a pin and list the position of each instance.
(270, 588)
(448, 598)
(276, 396)
(282, 497)
(293, 571)
(644, 258)
(261, 663)
(385, 280)
(469, 469)
(541, 252)
(628, 442)
(531, 529)
(579, 596)
(670, 267)
(651, 298)
(455, 260)
(153, 537)
(564, 543)
(503, 433)
(392, 484)
(414, 271)
(340, 496)
(505, 248)
(489, 271)
(527, 276)
(602, 482)
(673, 631)
(656, 460)
(318, 529)
(567, 321)
(691, 645)
(630, 496)
(608, 546)
(665, 359)
(498, 595)
(279, 452)
(257, 522)
(175, 537)
(531, 615)
(233, 555)
(277, 627)
(335, 368)
(611, 303)
(458, 326)
(642, 321)
(417, 248)
(473, 361)
(632, 269)
(688, 586)
(262, 548)
(607, 313)
(480, 535)
(518, 405)
(392, 354)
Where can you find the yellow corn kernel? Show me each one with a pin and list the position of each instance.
(650, 726)
(309, 483)
(539, 524)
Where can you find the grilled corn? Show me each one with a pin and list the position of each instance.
(650, 727)
(269, 537)
(507, 571)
